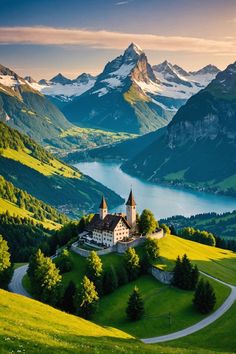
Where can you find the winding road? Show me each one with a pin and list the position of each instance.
(16, 286)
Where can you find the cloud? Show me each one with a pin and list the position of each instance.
(113, 40)
(120, 3)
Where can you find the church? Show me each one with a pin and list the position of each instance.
(107, 229)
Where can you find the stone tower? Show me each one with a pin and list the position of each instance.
(131, 210)
(103, 208)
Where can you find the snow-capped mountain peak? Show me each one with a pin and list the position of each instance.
(133, 52)
(60, 79)
(209, 69)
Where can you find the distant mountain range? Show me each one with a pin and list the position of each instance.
(129, 95)
(24, 108)
(198, 148)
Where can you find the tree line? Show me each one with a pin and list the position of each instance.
(39, 209)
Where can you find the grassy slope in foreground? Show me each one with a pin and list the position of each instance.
(32, 327)
(218, 337)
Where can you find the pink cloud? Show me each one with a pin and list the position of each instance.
(113, 40)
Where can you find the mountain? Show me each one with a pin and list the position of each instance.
(31, 168)
(24, 108)
(60, 90)
(119, 99)
(177, 83)
(130, 95)
(198, 148)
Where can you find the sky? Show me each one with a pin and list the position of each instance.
(43, 37)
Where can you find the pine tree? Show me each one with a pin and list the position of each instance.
(194, 277)
(204, 297)
(110, 280)
(68, 298)
(177, 272)
(122, 275)
(86, 299)
(135, 307)
(186, 281)
(132, 263)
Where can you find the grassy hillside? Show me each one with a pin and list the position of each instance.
(77, 139)
(14, 209)
(218, 337)
(29, 167)
(223, 225)
(212, 260)
(123, 150)
(32, 327)
(167, 309)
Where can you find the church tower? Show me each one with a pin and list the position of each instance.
(103, 208)
(131, 210)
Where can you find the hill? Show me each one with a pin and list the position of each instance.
(24, 108)
(223, 225)
(160, 300)
(29, 167)
(198, 148)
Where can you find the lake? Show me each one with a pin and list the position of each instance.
(163, 201)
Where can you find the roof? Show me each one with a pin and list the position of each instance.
(131, 200)
(103, 204)
(108, 223)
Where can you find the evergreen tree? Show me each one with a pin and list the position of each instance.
(132, 263)
(204, 297)
(86, 299)
(44, 277)
(135, 307)
(147, 222)
(68, 298)
(151, 249)
(110, 280)
(194, 277)
(122, 275)
(186, 281)
(6, 269)
(145, 263)
(48, 278)
(177, 272)
(95, 270)
(63, 262)
(185, 276)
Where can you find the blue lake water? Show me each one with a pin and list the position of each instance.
(163, 201)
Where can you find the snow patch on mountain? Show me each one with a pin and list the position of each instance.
(11, 81)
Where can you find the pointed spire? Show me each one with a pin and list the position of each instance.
(131, 200)
(103, 204)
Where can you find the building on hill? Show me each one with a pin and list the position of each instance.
(107, 229)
